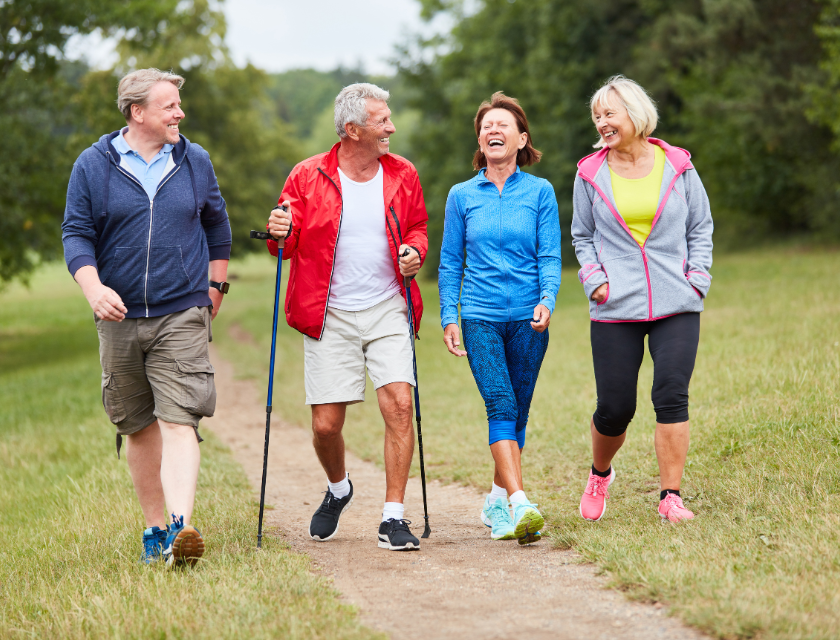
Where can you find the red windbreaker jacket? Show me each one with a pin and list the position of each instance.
(314, 191)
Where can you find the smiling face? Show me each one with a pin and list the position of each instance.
(613, 123)
(161, 115)
(378, 129)
(499, 137)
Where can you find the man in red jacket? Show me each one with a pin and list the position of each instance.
(353, 213)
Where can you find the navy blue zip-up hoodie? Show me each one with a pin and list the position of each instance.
(154, 254)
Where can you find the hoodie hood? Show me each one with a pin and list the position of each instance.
(678, 158)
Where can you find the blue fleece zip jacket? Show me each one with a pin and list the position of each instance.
(154, 253)
(512, 243)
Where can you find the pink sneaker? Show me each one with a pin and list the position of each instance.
(593, 503)
(672, 508)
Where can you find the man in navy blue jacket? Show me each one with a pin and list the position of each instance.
(145, 222)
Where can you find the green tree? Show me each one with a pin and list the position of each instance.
(728, 76)
(37, 114)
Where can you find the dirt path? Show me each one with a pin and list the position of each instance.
(460, 584)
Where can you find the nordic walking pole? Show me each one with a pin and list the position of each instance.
(262, 235)
(428, 530)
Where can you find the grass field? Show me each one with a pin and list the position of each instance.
(762, 558)
(70, 524)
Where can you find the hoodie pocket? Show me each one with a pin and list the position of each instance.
(126, 273)
(627, 297)
(168, 279)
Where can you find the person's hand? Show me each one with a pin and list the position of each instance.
(452, 340)
(542, 318)
(216, 298)
(105, 302)
(279, 222)
(600, 294)
(409, 264)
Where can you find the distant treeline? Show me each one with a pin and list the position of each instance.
(750, 87)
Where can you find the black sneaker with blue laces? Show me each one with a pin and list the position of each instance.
(324, 523)
(154, 538)
(395, 535)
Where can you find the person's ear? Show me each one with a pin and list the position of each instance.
(137, 113)
(352, 131)
(523, 140)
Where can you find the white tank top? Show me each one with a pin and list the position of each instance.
(363, 274)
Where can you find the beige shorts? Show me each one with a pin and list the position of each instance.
(376, 338)
(157, 368)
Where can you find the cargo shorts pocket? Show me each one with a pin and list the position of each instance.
(198, 388)
(112, 399)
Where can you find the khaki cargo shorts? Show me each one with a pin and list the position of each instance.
(377, 338)
(157, 368)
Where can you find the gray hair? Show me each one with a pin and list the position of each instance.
(136, 86)
(631, 96)
(351, 105)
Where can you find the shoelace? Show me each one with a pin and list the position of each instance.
(330, 502)
(596, 484)
(672, 500)
(399, 525)
(502, 512)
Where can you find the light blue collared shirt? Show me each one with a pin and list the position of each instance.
(149, 174)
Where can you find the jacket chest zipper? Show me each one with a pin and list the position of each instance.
(149, 245)
(502, 258)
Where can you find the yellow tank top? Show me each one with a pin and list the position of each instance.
(638, 198)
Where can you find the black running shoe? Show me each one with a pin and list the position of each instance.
(324, 523)
(395, 535)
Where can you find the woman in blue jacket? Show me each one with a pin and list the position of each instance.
(507, 223)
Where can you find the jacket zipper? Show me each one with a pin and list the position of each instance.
(641, 247)
(502, 257)
(151, 218)
(335, 248)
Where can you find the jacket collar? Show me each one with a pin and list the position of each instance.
(393, 169)
(679, 159)
(482, 178)
(106, 144)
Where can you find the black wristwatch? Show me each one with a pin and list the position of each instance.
(224, 287)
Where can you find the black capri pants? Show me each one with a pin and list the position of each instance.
(617, 352)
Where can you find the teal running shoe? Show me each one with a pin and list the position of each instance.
(497, 516)
(153, 540)
(527, 523)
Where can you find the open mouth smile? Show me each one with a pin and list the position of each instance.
(495, 143)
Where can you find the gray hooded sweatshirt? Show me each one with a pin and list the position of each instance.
(669, 273)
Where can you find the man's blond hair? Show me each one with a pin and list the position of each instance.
(137, 85)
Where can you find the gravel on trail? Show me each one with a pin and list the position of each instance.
(460, 584)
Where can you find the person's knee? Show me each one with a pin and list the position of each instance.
(326, 427)
(611, 418)
(670, 402)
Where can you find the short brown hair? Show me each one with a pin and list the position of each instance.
(527, 155)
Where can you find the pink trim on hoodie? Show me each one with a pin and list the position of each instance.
(678, 158)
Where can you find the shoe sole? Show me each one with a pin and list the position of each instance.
(580, 507)
(384, 544)
(187, 547)
(317, 539)
(529, 526)
(507, 536)
(667, 519)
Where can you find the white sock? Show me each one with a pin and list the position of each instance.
(340, 489)
(498, 492)
(518, 497)
(394, 510)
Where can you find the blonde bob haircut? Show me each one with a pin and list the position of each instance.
(631, 96)
(137, 85)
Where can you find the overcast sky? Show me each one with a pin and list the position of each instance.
(276, 35)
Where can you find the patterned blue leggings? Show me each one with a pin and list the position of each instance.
(505, 358)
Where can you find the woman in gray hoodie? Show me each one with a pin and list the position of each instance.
(642, 232)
